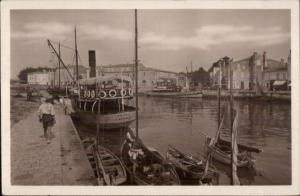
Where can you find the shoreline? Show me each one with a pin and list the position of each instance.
(20, 108)
(274, 96)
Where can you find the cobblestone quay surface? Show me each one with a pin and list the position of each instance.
(62, 162)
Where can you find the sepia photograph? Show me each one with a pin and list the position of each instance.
(190, 97)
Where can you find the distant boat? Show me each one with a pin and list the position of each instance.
(166, 87)
(111, 93)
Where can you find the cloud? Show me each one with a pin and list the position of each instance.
(209, 36)
(61, 31)
(100, 32)
(48, 30)
(203, 38)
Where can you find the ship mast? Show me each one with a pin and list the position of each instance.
(76, 56)
(136, 76)
(59, 58)
(233, 129)
(59, 54)
(219, 96)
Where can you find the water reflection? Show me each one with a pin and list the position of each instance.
(183, 123)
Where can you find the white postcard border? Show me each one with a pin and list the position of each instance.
(6, 6)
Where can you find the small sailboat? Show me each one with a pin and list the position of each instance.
(146, 165)
(189, 166)
(220, 150)
(229, 152)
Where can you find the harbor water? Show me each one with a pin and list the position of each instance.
(184, 123)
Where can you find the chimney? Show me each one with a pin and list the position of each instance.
(282, 61)
(92, 63)
(265, 59)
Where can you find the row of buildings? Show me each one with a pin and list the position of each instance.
(148, 77)
(256, 72)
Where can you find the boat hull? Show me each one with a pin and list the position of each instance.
(109, 168)
(107, 121)
(225, 158)
(139, 177)
(183, 169)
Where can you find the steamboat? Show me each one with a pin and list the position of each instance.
(99, 100)
(112, 95)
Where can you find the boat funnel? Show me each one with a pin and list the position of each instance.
(92, 63)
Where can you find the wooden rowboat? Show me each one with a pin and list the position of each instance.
(108, 166)
(188, 166)
(150, 168)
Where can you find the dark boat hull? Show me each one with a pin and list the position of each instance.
(107, 121)
(139, 177)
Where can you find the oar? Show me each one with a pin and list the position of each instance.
(105, 176)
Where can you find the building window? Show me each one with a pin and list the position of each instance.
(277, 76)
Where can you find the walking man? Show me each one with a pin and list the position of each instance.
(68, 106)
(47, 117)
(29, 92)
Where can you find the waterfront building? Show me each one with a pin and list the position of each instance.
(147, 78)
(247, 73)
(256, 72)
(222, 65)
(65, 78)
(277, 75)
(40, 78)
(214, 74)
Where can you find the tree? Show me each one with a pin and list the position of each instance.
(201, 76)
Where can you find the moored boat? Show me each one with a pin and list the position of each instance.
(111, 95)
(145, 164)
(190, 167)
(221, 152)
(109, 168)
(166, 87)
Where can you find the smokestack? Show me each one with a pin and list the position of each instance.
(282, 61)
(265, 59)
(92, 63)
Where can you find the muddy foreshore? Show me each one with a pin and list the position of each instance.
(20, 107)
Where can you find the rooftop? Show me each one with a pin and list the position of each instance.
(141, 67)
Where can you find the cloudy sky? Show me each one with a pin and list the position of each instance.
(168, 39)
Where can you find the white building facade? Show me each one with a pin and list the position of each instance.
(147, 77)
(40, 78)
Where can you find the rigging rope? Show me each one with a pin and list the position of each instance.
(62, 45)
